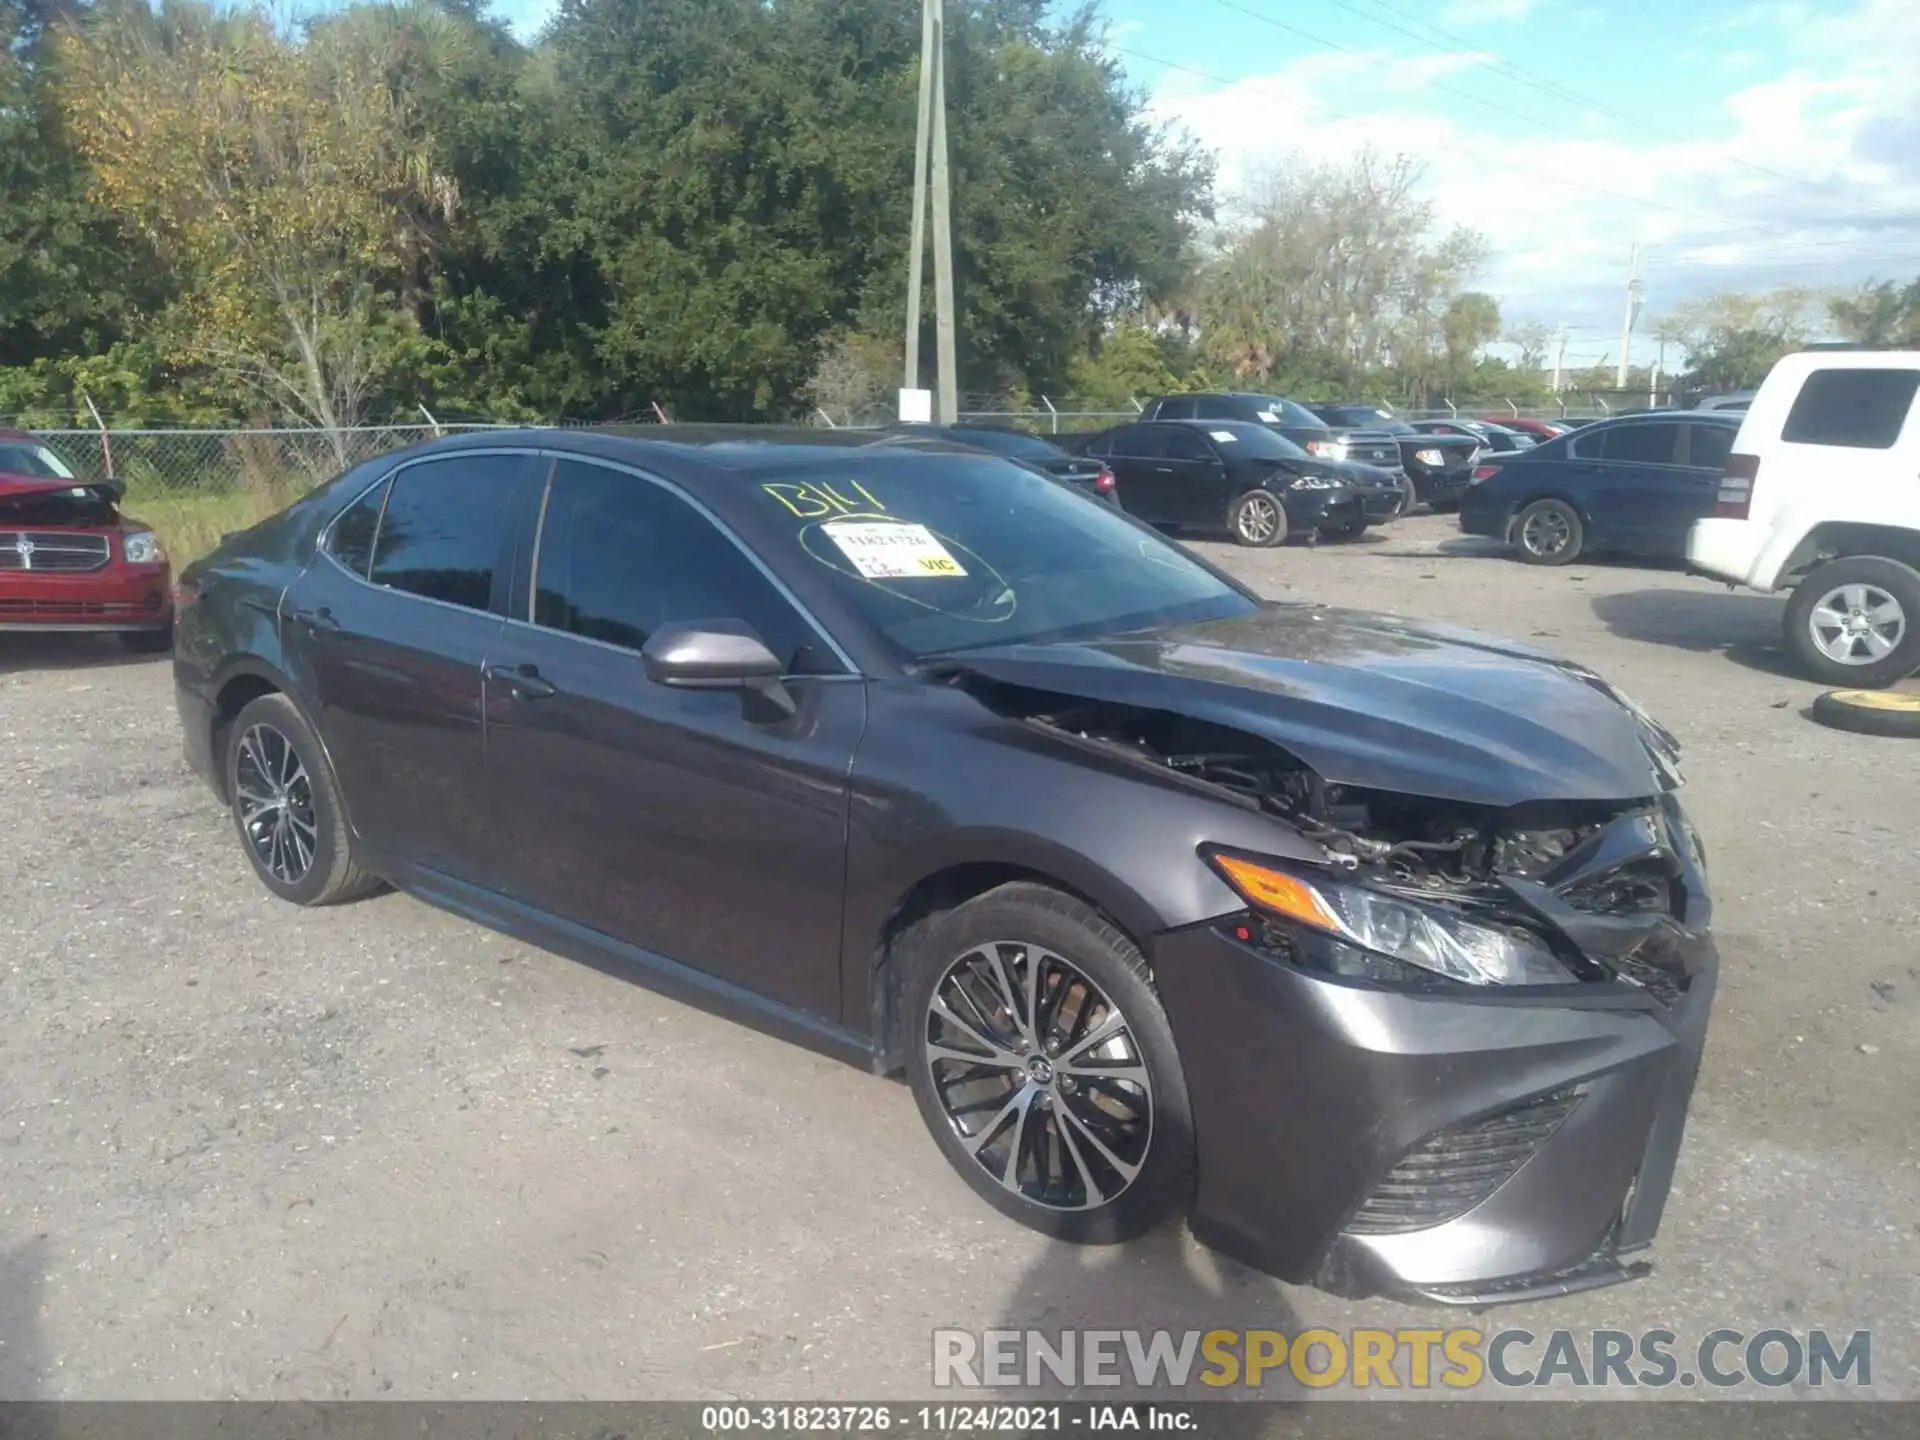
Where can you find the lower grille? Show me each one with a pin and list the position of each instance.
(1455, 1169)
(11, 609)
(59, 551)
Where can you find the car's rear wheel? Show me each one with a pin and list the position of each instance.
(287, 808)
(1257, 519)
(1548, 532)
(147, 642)
(1044, 1065)
(1856, 622)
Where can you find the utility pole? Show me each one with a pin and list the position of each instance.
(1559, 357)
(1632, 314)
(931, 135)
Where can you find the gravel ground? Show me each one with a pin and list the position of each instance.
(249, 1151)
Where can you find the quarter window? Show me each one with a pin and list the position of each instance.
(1860, 409)
(447, 525)
(351, 540)
(621, 556)
(1179, 408)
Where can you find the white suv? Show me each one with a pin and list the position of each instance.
(1822, 494)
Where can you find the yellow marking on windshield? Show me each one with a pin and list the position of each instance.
(812, 500)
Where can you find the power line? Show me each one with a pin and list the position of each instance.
(1553, 88)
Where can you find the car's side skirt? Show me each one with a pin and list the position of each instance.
(578, 942)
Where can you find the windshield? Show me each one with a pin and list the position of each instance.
(1007, 442)
(1254, 440)
(1285, 412)
(952, 552)
(27, 457)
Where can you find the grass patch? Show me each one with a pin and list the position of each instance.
(190, 525)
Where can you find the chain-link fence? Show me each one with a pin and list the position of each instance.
(215, 462)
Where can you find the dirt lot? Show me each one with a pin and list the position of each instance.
(252, 1151)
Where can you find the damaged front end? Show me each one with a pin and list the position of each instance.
(1471, 1030)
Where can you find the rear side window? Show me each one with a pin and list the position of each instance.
(1138, 442)
(1639, 444)
(1708, 445)
(1179, 408)
(351, 539)
(447, 525)
(1860, 409)
(1215, 407)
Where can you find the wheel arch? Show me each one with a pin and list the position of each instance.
(1846, 540)
(958, 878)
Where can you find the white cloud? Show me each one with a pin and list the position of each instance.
(1811, 176)
(1482, 12)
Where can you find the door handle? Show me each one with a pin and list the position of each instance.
(317, 622)
(1164, 469)
(523, 681)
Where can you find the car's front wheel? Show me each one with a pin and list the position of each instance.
(287, 808)
(1856, 622)
(1044, 1065)
(1257, 519)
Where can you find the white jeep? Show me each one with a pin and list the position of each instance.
(1821, 494)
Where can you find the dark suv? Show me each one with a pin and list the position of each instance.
(1440, 466)
(1369, 445)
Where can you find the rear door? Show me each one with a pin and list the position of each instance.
(1137, 455)
(1195, 479)
(391, 625)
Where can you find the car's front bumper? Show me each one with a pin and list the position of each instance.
(1439, 484)
(1348, 1135)
(119, 597)
(1480, 514)
(1320, 509)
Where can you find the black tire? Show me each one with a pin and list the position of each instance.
(1548, 532)
(1878, 581)
(1870, 712)
(1350, 530)
(147, 642)
(1024, 920)
(1257, 519)
(1409, 498)
(315, 825)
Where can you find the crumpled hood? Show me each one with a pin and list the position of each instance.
(1375, 701)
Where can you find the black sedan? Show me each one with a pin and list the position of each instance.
(1492, 438)
(1017, 445)
(1633, 485)
(1241, 477)
(1380, 950)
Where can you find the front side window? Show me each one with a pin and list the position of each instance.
(1138, 442)
(950, 552)
(621, 556)
(447, 526)
(1860, 409)
(1185, 445)
(1639, 444)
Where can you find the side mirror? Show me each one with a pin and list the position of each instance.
(709, 655)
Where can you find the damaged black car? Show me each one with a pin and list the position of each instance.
(1378, 951)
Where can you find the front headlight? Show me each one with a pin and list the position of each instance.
(1328, 449)
(1314, 482)
(143, 547)
(1433, 939)
(1430, 457)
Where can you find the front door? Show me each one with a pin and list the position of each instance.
(684, 822)
(390, 626)
(1198, 484)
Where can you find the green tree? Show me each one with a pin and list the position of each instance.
(1879, 313)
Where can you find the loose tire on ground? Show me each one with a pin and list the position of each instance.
(1880, 597)
(1870, 712)
(287, 809)
(971, 975)
(1548, 532)
(1258, 519)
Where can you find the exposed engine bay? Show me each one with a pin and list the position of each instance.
(1405, 840)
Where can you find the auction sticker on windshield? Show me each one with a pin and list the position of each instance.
(887, 550)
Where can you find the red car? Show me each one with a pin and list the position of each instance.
(1542, 429)
(69, 561)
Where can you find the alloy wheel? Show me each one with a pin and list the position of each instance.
(1040, 1076)
(1259, 518)
(1857, 624)
(275, 798)
(1546, 532)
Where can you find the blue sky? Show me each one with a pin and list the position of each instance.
(1740, 143)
